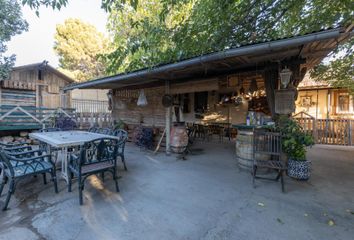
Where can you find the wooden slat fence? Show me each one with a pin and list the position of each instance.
(327, 131)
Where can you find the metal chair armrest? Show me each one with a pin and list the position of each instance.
(23, 147)
(25, 154)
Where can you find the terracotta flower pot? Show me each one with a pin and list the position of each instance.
(300, 170)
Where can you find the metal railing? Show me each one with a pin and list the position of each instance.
(90, 106)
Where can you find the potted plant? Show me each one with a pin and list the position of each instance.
(294, 144)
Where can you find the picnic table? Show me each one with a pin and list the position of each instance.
(63, 140)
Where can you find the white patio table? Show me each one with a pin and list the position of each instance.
(65, 139)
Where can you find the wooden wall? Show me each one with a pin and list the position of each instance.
(28, 87)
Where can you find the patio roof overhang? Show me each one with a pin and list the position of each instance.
(310, 49)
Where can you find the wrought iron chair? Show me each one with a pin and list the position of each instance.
(23, 164)
(123, 137)
(14, 148)
(95, 157)
(53, 129)
(268, 144)
(106, 131)
(92, 129)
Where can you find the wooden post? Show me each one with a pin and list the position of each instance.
(350, 133)
(168, 121)
(0, 94)
(271, 83)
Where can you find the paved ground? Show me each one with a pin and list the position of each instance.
(205, 197)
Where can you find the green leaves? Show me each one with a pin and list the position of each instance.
(160, 31)
(11, 23)
(294, 140)
(81, 49)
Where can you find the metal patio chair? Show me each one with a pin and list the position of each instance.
(95, 157)
(123, 137)
(23, 164)
(53, 129)
(92, 129)
(106, 131)
(268, 144)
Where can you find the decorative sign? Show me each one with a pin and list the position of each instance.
(284, 101)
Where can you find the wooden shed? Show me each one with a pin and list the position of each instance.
(37, 85)
(31, 95)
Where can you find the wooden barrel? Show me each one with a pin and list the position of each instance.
(244, 150)
(178, 138)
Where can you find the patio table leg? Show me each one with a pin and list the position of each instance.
(64, 164)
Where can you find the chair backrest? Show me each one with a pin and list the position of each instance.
(267, 143)
(99, 150)
(11, 145)
(120, 133)
(93, 129)
(106, 131)
(50, 130)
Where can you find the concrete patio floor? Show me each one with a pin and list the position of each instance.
(204, 197)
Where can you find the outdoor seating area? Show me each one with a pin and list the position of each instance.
(207, 197)
(80, 154)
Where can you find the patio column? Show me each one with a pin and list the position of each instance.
(271, 83)
(168, 120)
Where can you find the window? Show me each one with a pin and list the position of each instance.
(343, 102)
(39, 74)
(200, 102)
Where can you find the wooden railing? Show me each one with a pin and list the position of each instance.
(327, 131)
(15, 117)
(87, 120)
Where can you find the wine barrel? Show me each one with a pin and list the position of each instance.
(178, 138)
(244, 150)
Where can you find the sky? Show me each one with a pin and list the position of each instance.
(36, 45)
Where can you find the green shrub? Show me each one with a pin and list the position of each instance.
(295, 140)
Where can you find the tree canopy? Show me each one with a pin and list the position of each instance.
(79, 46)
(11, 23)
(149, 32)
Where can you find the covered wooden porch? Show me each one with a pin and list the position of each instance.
(216, 75)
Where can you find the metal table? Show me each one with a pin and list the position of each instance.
(63, 140)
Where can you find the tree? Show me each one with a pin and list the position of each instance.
(160, 31)
(11, 23)
(340, 71)
(79, 46)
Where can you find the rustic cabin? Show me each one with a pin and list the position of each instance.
(235, 89)
(32, 88)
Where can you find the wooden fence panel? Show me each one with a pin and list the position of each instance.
(328, 131)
